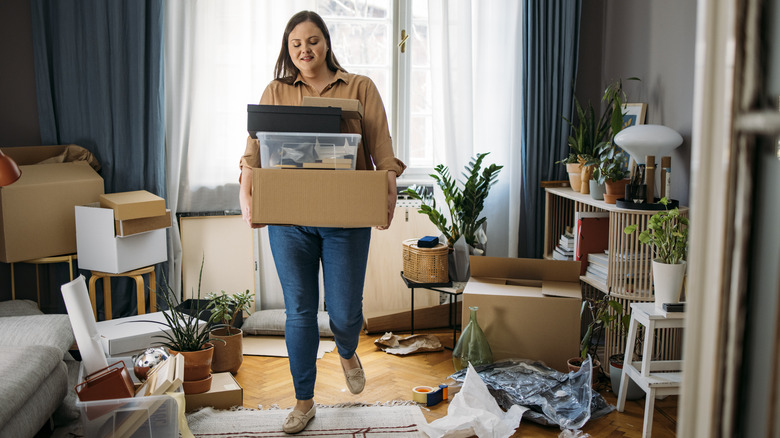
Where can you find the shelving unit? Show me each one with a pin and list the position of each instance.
(629, 275)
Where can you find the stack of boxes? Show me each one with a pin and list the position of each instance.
(122, 232)
(301, 180)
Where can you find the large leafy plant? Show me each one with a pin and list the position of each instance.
(667, 233)
(612, 164)
(465, 205)
(590, 136)
(602, 313)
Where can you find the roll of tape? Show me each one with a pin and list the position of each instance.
(420, 393)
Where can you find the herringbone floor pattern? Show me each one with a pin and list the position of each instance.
(266, 381)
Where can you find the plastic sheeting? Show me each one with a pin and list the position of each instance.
(553, 398)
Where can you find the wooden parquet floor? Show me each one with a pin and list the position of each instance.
(267, 381)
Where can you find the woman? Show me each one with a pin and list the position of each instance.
(307, 67)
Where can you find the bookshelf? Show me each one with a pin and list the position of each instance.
(629, 276)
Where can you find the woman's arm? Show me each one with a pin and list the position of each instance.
(392, 197)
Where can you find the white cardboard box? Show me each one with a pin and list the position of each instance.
(99, 249)
(132, 334)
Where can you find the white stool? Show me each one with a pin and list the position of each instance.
(656, 378)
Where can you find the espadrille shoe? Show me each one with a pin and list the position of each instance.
(297, 420)
(356, 377)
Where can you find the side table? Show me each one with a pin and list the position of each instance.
(445, 288)
(655, 377)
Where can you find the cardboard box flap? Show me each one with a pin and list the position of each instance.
(133, 205)
(40, 174)
(495, 286)
(528, 269)
(562, 289)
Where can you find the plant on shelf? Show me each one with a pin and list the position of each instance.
(465, 205)
(612, 164)
(591, 137)
(667, 235)
(229, 355)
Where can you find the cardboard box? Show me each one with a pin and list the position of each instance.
(132, 334)
(133, 205)
(36, 212)
(319, 198)
(350, 108)
(528, 308)
(288, 118)
(128, 227)
(100, 250)
(225, 393)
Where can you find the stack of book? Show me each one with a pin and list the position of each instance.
(564, 250)
(597, 267)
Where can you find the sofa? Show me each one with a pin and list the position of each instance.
(37, 369)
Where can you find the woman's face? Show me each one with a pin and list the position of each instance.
(307, 47)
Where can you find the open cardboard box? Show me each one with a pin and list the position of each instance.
(319, 198)
(36, 212)
(528, 308)
(225, 393)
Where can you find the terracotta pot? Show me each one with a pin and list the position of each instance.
(197, 386)
(197, 364)
(611, 199)
(575, 173)
(616, 187)
(229, 355)
(574, 365)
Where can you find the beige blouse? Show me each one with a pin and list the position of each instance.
(376, 147)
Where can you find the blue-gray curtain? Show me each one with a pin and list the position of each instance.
(99, 80)
(550, 49)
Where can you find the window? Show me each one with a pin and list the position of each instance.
(367, 37)
(233, 49)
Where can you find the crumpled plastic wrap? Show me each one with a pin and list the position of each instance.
(394, 344)
(553, 398)
(473, 411)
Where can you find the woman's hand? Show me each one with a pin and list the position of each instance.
(392, 197)
(245, 197)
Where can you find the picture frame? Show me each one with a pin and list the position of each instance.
(634, 114)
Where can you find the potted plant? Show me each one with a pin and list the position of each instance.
(600, 313)
(611, 172)
(667, 234)
(465, 207)
(592, 137)
(189, 336)
(229, 354)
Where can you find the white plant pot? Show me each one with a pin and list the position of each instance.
(668, 281)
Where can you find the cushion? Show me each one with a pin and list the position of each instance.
(19, 308)
(51, 330)
(271, 322)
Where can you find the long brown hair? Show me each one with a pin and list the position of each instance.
(285, 70)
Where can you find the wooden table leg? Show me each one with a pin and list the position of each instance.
(140, 296)
(152, 292)
(92, 298)
(107, 297)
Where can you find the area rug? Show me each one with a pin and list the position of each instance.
(353, 420)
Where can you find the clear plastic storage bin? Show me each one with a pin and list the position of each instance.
(299, 150)
(148, 417)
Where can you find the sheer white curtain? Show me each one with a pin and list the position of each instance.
(219, 56)
(476, 66)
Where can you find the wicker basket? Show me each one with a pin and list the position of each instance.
(425, 265)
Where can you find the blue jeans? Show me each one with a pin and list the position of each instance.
(297, 254)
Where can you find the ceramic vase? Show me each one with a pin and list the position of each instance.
(596, 190)
(228, 355)
(575, 171)
(667, 281)
(472, 346)
(634, 392)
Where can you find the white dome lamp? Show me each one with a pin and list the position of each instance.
(642, 140)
